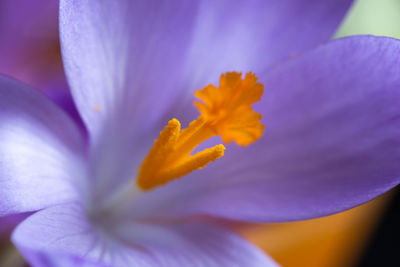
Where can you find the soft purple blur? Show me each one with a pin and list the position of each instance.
(30, 48)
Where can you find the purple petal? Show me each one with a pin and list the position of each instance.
(332, 141)
(30, 50)
(8, 223)
(43, 259)
(65, 230)
(134, 57)
(256, 35)
(41, 150)
(132, 65)
(62, 230)
(102, 42)
(194, 244)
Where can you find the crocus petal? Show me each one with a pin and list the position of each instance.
(118, 54)
(29, 47)
(40, 151)
(194, 244)
(8, 223)
(100, 42)
(332, 141)
(42, 259)
(66, 230)
(132, 65)
(31, 50)
(133, 56)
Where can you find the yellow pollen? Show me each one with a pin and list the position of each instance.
(225, 111)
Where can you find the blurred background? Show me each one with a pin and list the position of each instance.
(364, 236)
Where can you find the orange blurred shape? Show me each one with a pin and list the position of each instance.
(336, 240)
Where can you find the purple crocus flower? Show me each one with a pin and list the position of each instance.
(331, 142)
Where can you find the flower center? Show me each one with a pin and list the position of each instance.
(225, 111)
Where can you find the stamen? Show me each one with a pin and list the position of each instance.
(225, 111)
(228, 108)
